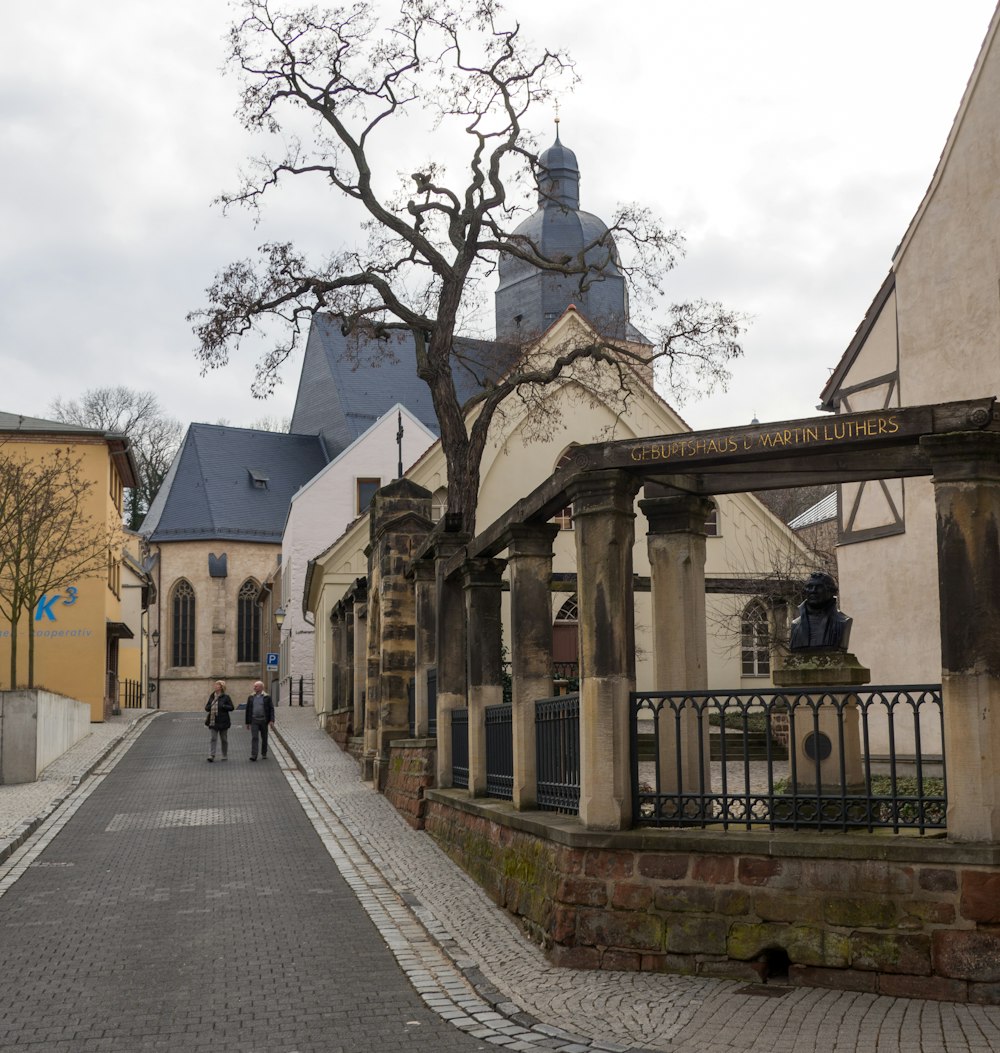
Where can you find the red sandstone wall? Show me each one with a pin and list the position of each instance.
(855, 924)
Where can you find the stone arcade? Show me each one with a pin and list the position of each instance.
(896, 915)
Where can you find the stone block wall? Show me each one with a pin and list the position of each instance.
(817, 910)
(411, 772)
(338, 726)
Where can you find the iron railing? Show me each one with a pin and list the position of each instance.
(460, 748)
(557, 753)
(130, 694)
(837, 758)
(294, 690)
(499, 752)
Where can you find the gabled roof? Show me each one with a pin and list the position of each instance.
(349, 382)
(232, 483)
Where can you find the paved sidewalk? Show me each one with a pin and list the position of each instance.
(468, 962)
(24, 806)
(615, 1010)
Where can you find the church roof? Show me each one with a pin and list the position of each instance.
(232, 483)
(349, 382)
(530, 299)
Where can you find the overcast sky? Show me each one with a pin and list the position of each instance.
(790, 141)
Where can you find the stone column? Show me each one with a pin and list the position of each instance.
(604, 517)
(399, 526)
(529, 558)
(676, 545)
(360, 658)
(452, 690)
(966, 479)
(482, 581)
(426, 641)
(347, 655)
(337, 657)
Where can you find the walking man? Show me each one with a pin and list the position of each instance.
(260, 717)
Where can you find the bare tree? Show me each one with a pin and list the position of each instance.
(361, 85)
(48, 539)
(154, 437)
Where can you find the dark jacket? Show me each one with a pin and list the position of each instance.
(268, 709)
(222, 720)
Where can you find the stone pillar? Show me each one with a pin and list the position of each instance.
(676, 545)
(966, 479)
(360, 658)
(604, 517)
(347, 655)
(337, 657)
(482, 581)
(400, 522)
(529, 558)
(825, 735)
(426, 641)
(452, 691)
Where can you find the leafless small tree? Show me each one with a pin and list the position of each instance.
(48, 538)
(359, 84)
(153, 436)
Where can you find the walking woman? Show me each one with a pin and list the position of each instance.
(218, 707)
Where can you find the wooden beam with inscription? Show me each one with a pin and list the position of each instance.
(852, 447)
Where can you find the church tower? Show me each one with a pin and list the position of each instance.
(528, 299)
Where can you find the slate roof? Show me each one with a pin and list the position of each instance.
(349, 382)
(232, 483)
(529, 300)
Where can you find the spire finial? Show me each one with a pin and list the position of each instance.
(557, 120)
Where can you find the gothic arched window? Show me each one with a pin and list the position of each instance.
(182, 624)
(247, 623)
(564, 518)
(755, 641)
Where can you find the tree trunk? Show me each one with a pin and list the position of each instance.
(14, 621)
(31, 649)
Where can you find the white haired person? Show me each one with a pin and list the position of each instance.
(218, 707)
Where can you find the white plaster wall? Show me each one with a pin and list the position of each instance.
(948, 307)
(322, 510)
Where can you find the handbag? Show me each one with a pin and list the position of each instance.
(208, 720)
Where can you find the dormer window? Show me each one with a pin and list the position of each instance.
(258, 480)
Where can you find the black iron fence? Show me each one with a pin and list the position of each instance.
(557, 753)
(130, 694)
(460, 748)
(838, 758)
(294, 690)
(499, 752)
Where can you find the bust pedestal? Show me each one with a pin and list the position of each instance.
(824, 725)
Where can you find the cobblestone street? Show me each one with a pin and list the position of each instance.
(171, 904)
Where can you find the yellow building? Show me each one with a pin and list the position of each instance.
(77, 627)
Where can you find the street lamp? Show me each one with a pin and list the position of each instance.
(279, 618)
(155, 637)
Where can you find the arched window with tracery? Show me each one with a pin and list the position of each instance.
(564, 517)
(182, 611)
(439, 503)
(755, 640)
(248, 623)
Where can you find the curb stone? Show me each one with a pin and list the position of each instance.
(515, 1027)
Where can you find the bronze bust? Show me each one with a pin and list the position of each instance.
(820, 625)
